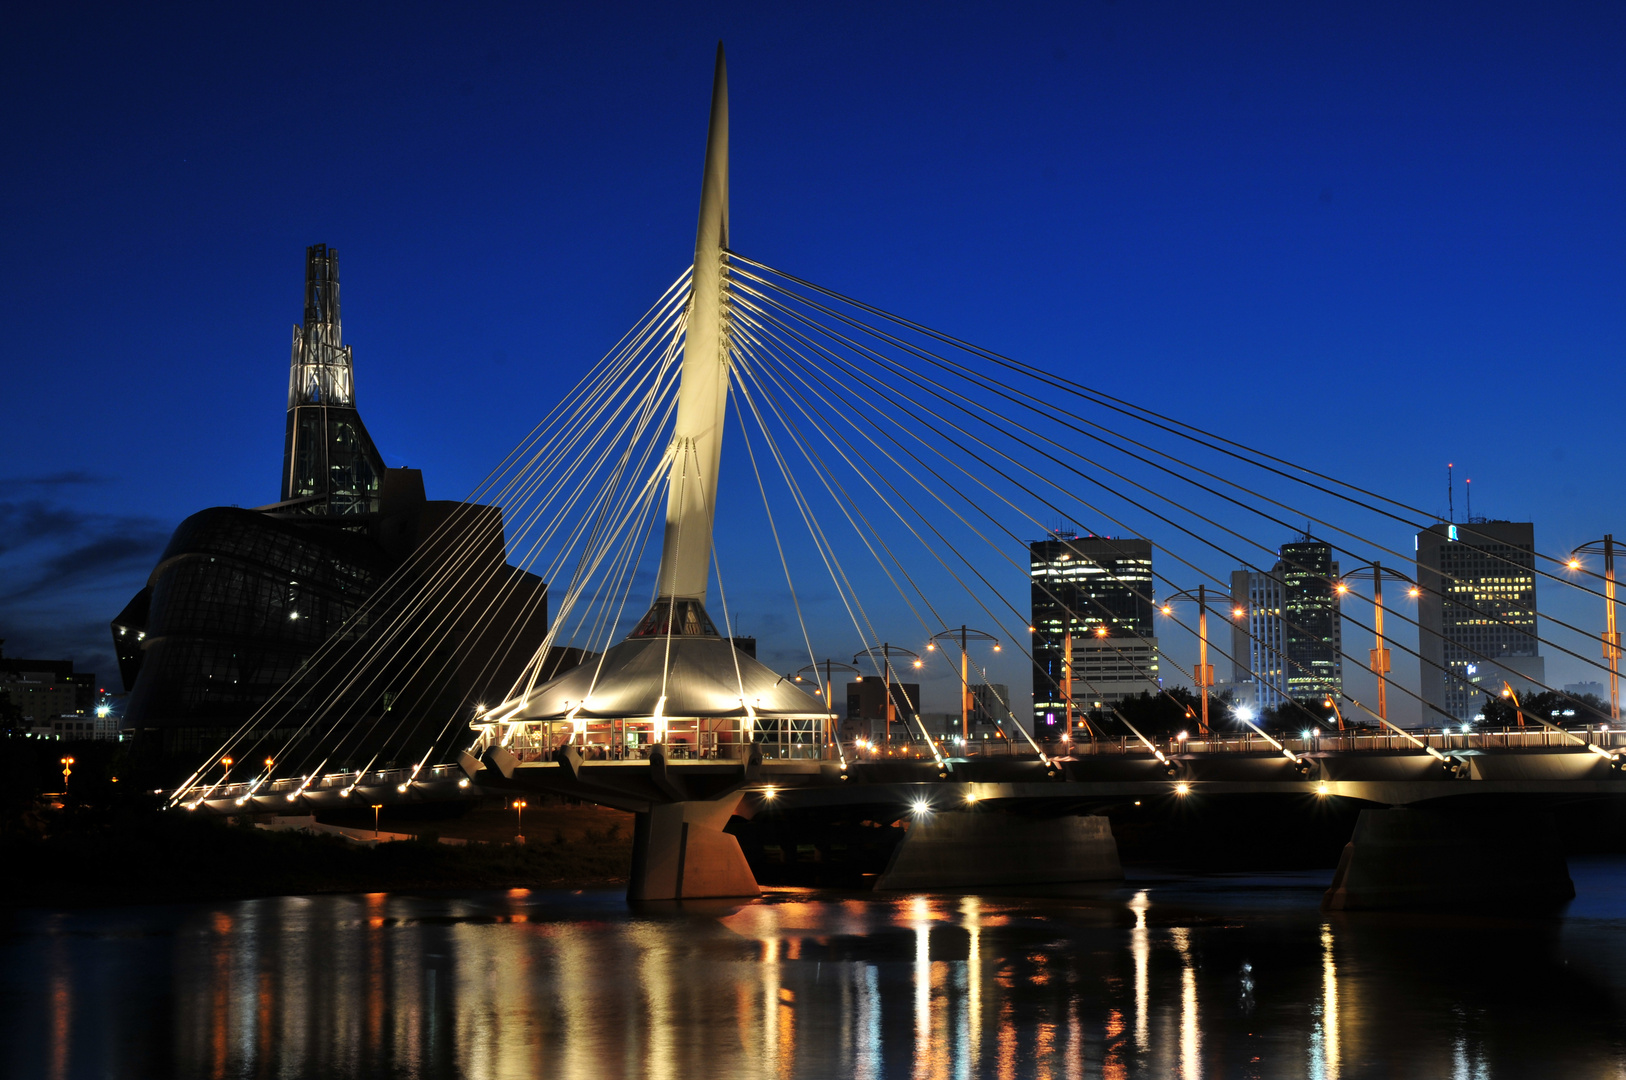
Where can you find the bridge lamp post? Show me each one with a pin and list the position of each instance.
(1611, 636)
(1204, 675)
(519, 821)
(888, 651)
(67, 771)
(376, 808)
(965, 635)
(828, 667)
(1379, 658)
(1508, 692)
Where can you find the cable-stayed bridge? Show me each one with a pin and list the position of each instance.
(894, 476)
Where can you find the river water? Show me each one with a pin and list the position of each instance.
(1160, 977)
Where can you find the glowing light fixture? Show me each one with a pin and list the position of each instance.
(1182, 788)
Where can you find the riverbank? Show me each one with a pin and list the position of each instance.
(75, 856)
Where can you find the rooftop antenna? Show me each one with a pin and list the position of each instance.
(1450, 494)
(1468, 495)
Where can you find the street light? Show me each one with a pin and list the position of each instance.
(67, 771)
(966, 634)
(376, 808)
(1611, 636)
(519, 821)
(1204, 675)
(888, 651)
(1379, 657)
(828, 667)
(1508, 692)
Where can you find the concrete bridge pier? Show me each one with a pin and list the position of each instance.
(986, 847)
(1407, 859)
(680, 852)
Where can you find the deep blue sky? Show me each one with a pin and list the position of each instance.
(1374, 237)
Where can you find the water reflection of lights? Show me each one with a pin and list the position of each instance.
(920, 917)
(524, 984)
(1140, 943)
(1190, 1022)
(1325, 1051)
(968, 1058)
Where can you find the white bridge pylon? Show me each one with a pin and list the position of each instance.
(675, 680)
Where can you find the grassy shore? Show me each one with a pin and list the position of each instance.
(82, 855)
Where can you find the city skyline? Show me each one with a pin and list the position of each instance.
(1130, 209)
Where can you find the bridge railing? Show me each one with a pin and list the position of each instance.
(294, 786)
(1444, 740)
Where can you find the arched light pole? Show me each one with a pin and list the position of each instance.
(1379, 657)
(1611, 636)
(888, 651)
(1204, 675)
(965, 635)
(828, 667)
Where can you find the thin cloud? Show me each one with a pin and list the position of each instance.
(131, 547)
(70, 478)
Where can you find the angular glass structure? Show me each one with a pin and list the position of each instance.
(330, 465)
(241, 601)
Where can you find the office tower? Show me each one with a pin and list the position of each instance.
(1288, 644)
(1093, 595)
(1477, 613)
(1258, 648)
(1312, 627)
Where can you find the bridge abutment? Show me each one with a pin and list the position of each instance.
(971, 849)
(680, 852)
(1407, 858)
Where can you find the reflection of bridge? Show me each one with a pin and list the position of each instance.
(676, 723)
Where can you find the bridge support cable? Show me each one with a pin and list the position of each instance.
(439, 601)
(744, 378)
(1006, 392)
(548, 444)
(810, 389)
(746, 291)
(1252, 456)
(1019, 398)
(851, 455)
(866, 533)
(343, 641)
(449, 591)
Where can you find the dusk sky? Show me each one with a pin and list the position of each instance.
(1372, 238)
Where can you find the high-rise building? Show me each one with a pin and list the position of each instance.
(1094, 596)
(242, 600)
(1258, 647)
(1312, 626)
(1289, 643)
(1477, 613)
